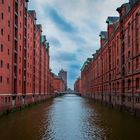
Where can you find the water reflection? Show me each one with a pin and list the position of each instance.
(69, 118)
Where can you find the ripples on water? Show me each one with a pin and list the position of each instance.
(69, 118)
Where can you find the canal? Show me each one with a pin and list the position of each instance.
(69, 117)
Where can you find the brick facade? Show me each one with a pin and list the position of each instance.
(24, 57)
(112, 74)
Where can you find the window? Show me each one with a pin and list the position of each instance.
(9, 9)
(129, 66)
(6, 100)
(118, 85)
(8, 66)
(0, 79)
(128, 35)
(19, 59)
(7, 80)
(137, 83)
(9, 99)
(2, 1)
(2, 32)
(137, 63)
(1, 64)
(8, 23)
(1, 47)
(2, 16)
(8, 51)
(113, 87)
(137, 47)
(129, 84)
(137, 100)
(8, 37)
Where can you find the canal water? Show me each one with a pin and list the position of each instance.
(69, 117)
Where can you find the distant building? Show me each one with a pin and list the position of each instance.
(58, 84)
(77, 85)
(63, 74)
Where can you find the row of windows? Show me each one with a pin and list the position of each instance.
(1, 47)
(130, 99)
(137, 86)
(2, 17)
(2, 33)
(1, 64)
(1, 80)
(7, 100)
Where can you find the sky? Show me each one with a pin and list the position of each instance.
(72, 28)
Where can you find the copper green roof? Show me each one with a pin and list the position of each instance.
(103, 34)
(86, 63)
(128, 6)
(47, 45)
(89, 60)
(32, 13)
(39, 26)
(43, 38)
(111, 20)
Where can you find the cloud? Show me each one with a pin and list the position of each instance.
(60, 20)
(65, 56)
(72, 28)
(54, 41)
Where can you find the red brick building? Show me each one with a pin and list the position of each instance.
(77, 85)
(112, 75)
(30, 51)
(38, 58)
(59, 85)
(24, 57)
(47, 71)
(63, 75)
(6, 51)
